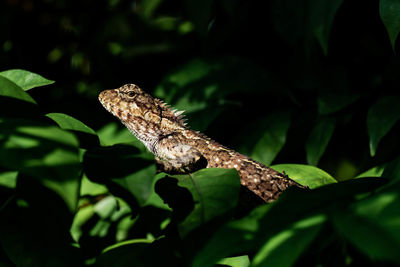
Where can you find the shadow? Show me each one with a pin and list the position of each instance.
(149, 221)
(104, 163)
(179, 199)
(14, 108)
(35, 227)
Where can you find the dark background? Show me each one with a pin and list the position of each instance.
(87, 46)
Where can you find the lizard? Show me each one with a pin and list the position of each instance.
(179, 149)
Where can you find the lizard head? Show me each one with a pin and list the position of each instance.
(148, 118)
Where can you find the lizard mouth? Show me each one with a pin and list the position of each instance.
(103, 96)
(106, 98)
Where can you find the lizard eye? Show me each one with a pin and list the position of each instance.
(130, 94)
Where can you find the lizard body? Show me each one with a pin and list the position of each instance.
(178, 149)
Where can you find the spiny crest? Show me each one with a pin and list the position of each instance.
(173, 114)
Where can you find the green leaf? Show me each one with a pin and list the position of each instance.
(215, 192)
(239, 261)
(123, 255)
(382, 116)
(392, 170)
(302, 21)
(8, 179)
(45, 152)
(199, 81)
(186, 75)
(263, 223)
(90, 188)
(200, 14)
(25, 79)
(333, 101)
(311, 176)
(34, 230)
(285, 247)
(370, 239)
(373, 172)
(382, 210)
(390, 15)
(233, 238)
(101, 218)
(373, 223)
(83, 215)
(190, 88)
(87, 137)
(273, 138)
(123, 165)
(141, 253)
(111, 134)
(140, 183)
(373, 226)
(200, 87)
(322, 16)
(318, 140)
(10, 89)
(67, 122)
(148, 8)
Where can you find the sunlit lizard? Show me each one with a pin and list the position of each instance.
(179, 149)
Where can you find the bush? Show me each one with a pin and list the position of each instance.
(322, 107)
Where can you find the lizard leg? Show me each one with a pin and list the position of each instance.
(173, 157)
(165, 166)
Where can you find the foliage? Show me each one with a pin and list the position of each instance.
(315, 100)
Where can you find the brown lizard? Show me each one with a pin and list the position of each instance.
(179, 149)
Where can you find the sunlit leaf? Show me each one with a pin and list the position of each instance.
(285, 247)
(10, 89)
(127, 242)
(111, 134)
(381, 117)
(214, 191)
(277, 220)
(123, 165)
(318, 140)
(373, 172)
(25, 79)
(373, 226)
(8, 179)
(305, 174)
(239, 261)
(90, 188)
(233, 238)
(80, 218)
(390, 15)
(87, 137)
(140, 183)
(67, 122)
(382, 210)
(44, 152)
(99, 219)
